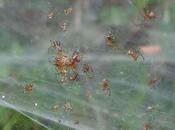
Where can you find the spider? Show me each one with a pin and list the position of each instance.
(56, 45)
(147, 126)
(61, 66)
(68, 11)
(76, 56)
(153, 82)
(28, 88)
(67, 107)
(74, 76)
(87, 69)
(74, 60)
(105, 86)
(61, 62)
(50, 15)
(149, 14)
(134, 54)
(110, 40)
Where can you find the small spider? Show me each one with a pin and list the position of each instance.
(60, 63)
(110, 40)
(105, 86)
(153, 82)
(134, 54)
(72, 64)
(76, 56)
(67, 107)
(74, 76)
(68, 11)
(50, 15)
(28, 88)
(74, 60)
(55, 108)
(56, 45)
(149, 14)
(147, 126)
(64, 26)
(88, 70)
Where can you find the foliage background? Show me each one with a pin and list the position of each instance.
(25, 33)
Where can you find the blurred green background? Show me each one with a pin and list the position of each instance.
(25, 32)
(12, 120)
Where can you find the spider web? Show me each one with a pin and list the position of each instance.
(131, 95)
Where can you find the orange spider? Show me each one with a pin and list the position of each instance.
(147, 126)
(74, 60)
(72, 64)
(65, 64)
(28, 88)
(76, 56)
(105, 86)
(110, 40)
(61, 62)
(153, 82)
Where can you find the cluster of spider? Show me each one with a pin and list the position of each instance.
(63, 26)
(67, 66)
(148, 15)
(134, 53)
